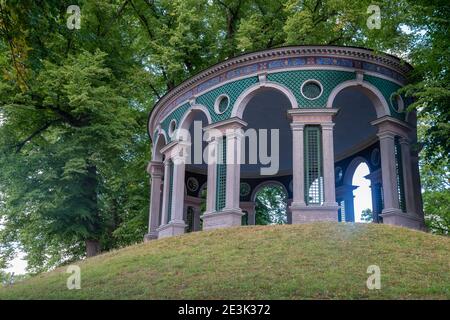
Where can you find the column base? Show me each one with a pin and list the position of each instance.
(399, 218)
(306, 214)
(150, 236)
(173, 228)
(222, 219)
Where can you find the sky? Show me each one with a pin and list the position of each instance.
(363, 196)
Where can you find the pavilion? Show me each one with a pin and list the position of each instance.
(333, 108)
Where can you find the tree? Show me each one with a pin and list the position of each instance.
(366, 215)
(270, 206)
(71, 137)
(73, 103)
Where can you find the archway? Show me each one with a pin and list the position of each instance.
(356, 149)
(267, 156)
(192, 124)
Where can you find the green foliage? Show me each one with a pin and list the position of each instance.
(271, 205)
(73, 103)
(366, 215)
(431, 87)
(72, 145)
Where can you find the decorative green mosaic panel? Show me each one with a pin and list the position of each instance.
(221, 187)
(387, 88)
(313, 165)
(294, 80)
(233, 90)
(400, 181)
(177, 114)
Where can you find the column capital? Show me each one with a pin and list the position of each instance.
(312, 116)
(374, 177)
(393, 125)
(234, 123)
(327, 126)
(386, 134)
(297, 126)
(176, 150)
(155, 168)
(404, 141)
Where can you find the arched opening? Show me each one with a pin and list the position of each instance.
(362, 194)
(355, 146)
(352, 130)
(266, 170)
(271, 205)
(196, 168)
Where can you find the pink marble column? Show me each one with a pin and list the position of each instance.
(328, 211)
(328, 165)
(156, 171)
(389, 172)
(231, 214)
(298, 170)
(388, 129)
(175, 155)
(407, 176)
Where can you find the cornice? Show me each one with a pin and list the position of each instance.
(381, 59)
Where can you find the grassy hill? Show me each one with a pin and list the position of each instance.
(321, 260)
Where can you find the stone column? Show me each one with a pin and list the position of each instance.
(249, 207)
(417, 187)
(288, 211)
(175, 154)
(298, 170)
(328, 165)
(197, 213)
(231, 214)
(407, 176)
(375, 189)
(166, 190)
(345, 194)
(212, 175)
(233, 141)
(349, 206)
(388, 129)
(155, 169)
(328, 211)
(389, 172)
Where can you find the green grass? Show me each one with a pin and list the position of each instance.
(311, 261)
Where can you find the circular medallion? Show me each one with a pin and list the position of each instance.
(192, 184)
(375, 157)
(397, 102)
(222, 103)
(172, 127)
(311, 89)
(244, 189)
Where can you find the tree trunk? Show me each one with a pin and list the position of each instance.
(92, 248)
